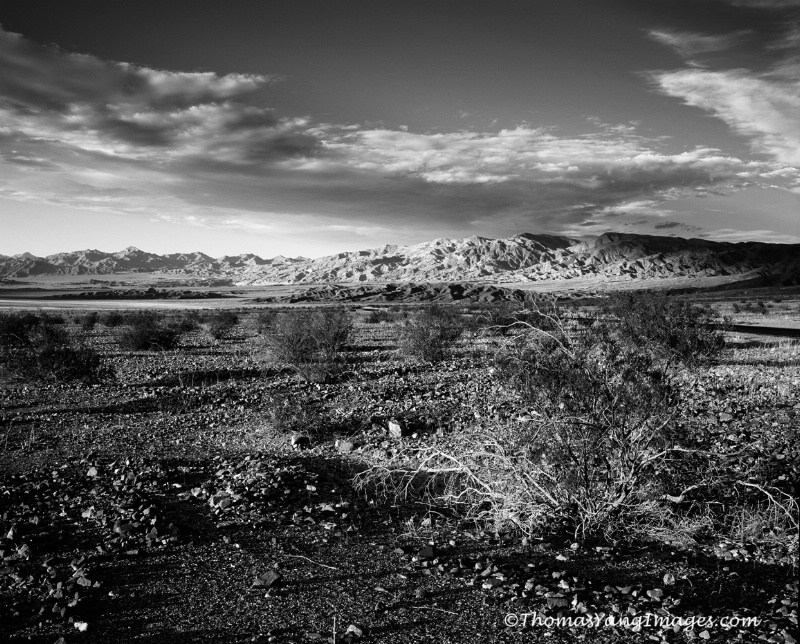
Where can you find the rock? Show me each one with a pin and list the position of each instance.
(300, 441)
(725, 417)
(345, 447)
(268, 579)
(397, 429)
(217, 500)
(92, 472)
(354, 631)
(426, 552)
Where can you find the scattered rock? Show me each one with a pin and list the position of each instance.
(268, 579)
(397, 429)
(300, 441)
(345, 446)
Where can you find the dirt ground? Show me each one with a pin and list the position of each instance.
(169, 505)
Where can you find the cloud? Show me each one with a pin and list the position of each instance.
(198, 148)
(688, 44)
(766, 110)
(767, 4)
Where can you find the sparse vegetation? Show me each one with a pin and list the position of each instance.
(189, 321)
(601, 436)
(431, 333)
(221, 323)
(380, 316)
(148, 331)
(668, 326)
(89, 320)
(265, 320)
(37, 347)
(311, 341)
(113, 319)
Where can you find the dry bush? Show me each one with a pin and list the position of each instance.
(189, 321)
(311, 341)
(669, 326)
(265, 320)
(113, 319)
(603, 422)
(600, 451)
(431, 333)
(380, 316)
(38, 348)
(149, 331)
(221, 323)
(88, 320)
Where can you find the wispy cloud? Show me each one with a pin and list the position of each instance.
(198, 148)
(764, 109)
(762, 105)
(690, 43)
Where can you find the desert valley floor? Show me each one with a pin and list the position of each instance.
(169, 504)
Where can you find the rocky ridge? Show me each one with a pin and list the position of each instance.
(522, 258)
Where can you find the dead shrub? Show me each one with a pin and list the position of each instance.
(311, 341)
(669, 326)
(380, 316)
(430, 334)
(113, 319)
(37, 348)
(89, 320)
(265, 320)
(148, 331)
(603, 420)
(221, 323)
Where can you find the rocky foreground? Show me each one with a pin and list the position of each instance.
(173, 505)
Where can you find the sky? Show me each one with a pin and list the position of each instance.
(307, 128)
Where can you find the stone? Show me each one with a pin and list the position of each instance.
(300, 441)
(268, 579)
(344, 446)
(426, 552)
(397, 429)
(354, 631)
(216, 500)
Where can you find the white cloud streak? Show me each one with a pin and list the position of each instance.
(196, 148)
(690, 43)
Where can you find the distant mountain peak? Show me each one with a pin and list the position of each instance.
(526, 257)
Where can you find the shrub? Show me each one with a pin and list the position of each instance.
(430, 334)
(15, 328)
(311, 341)
(189, 321)
(601, 422)
(265, 320)
(88, 320)
(37, 348)
(670, 327)
(220, 323)
(68, 362)
(147, 331)
(379, 316)
(113, 319)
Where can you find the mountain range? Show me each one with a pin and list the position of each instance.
(522, 258)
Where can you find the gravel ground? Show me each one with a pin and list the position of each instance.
(169, 506)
